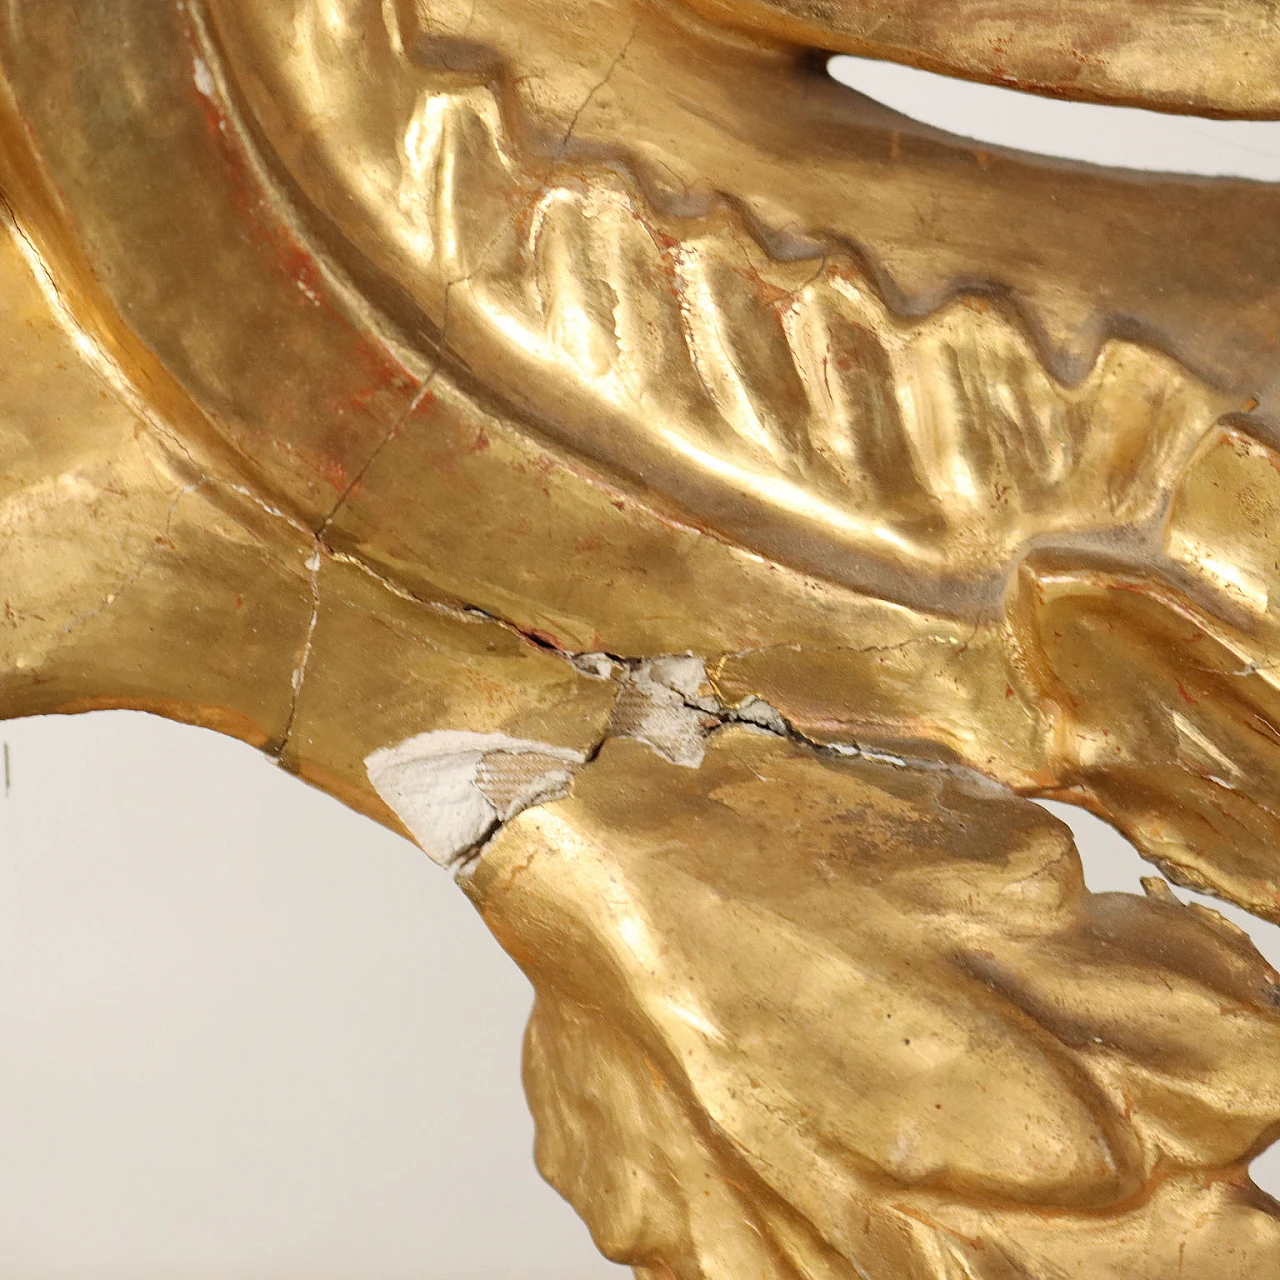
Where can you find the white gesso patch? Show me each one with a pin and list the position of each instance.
(668, 703)
(664, 703)
(451, 788)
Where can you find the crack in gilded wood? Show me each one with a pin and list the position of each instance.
(701, 510)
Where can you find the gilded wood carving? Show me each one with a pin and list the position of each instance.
(699, 506)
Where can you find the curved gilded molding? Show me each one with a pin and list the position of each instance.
(753, 377)
(1180, 55)
(775, 400)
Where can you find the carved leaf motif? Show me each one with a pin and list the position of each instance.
(680, 348)
(1164, 691)
(858, 1010)
(748, 377)
(1178, 55)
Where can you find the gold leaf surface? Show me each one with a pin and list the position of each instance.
(469, 354)
(860, 1007)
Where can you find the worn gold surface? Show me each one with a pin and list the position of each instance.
(366, 364)
(1213, 57)
(891, 1035)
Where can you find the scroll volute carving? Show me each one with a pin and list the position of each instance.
(696, 503)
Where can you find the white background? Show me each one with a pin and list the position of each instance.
(246, 1035)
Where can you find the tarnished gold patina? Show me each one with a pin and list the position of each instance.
(598, 387)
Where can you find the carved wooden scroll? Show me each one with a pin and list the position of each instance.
(699, 506)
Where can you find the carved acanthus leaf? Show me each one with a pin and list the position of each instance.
(773, 396)
(854, 1009)
(749, 377)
